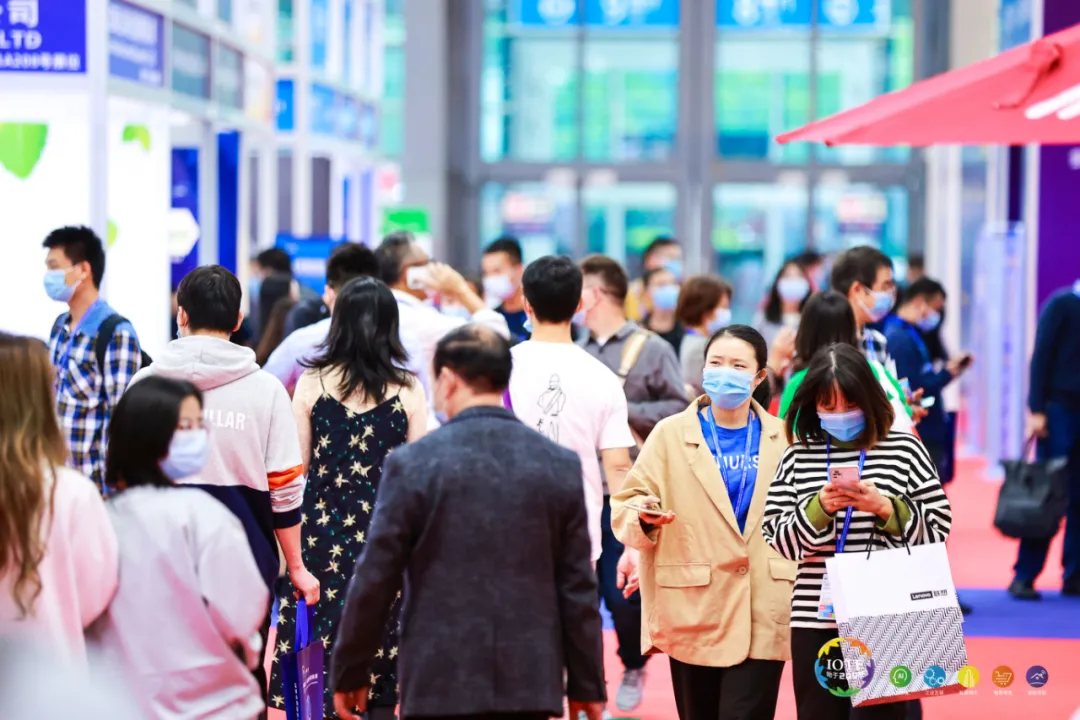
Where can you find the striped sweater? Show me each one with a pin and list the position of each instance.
(899, 466)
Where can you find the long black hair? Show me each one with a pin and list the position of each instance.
(141, 429)
(364, 341)
(826, 319)
(274, 288)
(773, 306)
(750, 336)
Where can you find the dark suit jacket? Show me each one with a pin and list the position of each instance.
(485, 519)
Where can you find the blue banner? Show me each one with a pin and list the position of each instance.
(309, 256)
(190, 62)
(596, 13)
(798, 14)
(47, 36)
(185, 195)
(320, 32)
(1014, 23)
(136, 45)
(286, 105)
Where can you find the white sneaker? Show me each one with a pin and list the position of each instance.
(631, 691)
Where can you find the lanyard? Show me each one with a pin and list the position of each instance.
(88, 325)
(847, 515)
(868, 341)
(719, 457)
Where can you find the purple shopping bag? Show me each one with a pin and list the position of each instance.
(302, 670)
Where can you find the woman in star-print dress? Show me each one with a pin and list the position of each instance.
(353, 407)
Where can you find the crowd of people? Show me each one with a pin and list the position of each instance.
(453, 473)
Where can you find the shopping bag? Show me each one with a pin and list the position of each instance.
(302, 670)
(1034, 497)
(901, 605)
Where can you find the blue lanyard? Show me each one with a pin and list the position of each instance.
(847, 515)
(868, 341)
(89, 324)
(719, 456)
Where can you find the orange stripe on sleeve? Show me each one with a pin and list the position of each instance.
(284, 477)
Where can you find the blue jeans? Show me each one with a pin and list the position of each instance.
(1063, 424)
(625, 613)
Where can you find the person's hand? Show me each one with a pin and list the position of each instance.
(651, 501)
(344, 702)
(918, 412)
(782, 351)
(447, 281)
(958, 365)
(865, 497)
(626, 572)
(591, 710)
(306, 584)
(914, 398)
(834, 498)
(1036, 425)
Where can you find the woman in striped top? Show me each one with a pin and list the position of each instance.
(839, 425)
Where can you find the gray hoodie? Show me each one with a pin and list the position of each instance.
(254, 444)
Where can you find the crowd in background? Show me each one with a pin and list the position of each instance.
(263, 456)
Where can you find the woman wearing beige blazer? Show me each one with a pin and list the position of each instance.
(715, 598)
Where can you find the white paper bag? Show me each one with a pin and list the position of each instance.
(902, 605)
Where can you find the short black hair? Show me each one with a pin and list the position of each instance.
(348, 261)
(140, 430)
(275, 260)
(478, 355)
(210, 295)
(80, 245)
(391, 255)
(845, 368)
(827, 319)
(916, 260)
(753, 338)
(506, 244)
(923, 287)
(552, 285)
(611, 274)
(858, 265)
(659, 243)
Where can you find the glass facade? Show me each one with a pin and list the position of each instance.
(392, 105)
(584, 88)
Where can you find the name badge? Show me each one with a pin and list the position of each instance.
(826, 610)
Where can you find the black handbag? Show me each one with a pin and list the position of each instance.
(1034, 497)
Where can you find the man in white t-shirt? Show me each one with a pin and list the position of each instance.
(565, 393)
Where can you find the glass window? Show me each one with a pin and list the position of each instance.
(623, 219)
(865, 49)
(849, 215)
(755, 228)
(540, 215)
(286, 40)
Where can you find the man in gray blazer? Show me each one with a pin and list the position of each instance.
(483, 522)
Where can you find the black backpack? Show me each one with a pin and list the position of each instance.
(104, 336)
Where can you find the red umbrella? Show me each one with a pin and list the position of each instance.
(1030, 94)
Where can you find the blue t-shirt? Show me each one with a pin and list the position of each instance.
(731, 459)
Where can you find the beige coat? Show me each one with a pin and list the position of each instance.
(710, 595)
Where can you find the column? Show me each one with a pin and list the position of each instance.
(301, 149)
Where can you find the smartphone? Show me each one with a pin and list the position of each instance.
(647, 510)
(927, 402)
(418, 277)
(964, 362)
(845, 476)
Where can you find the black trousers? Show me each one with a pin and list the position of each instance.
(815, 702)
(746, 691)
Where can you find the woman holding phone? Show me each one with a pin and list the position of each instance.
(847, 482)
(715, 598)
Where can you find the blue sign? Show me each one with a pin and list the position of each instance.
(46, 36)
(1014, 23)
(136, 48)
(190, 62)
(596, 13)
(309, 256)
(285, 105)
(320, 31)
(324, 110)
(799, 14)
(185, 196)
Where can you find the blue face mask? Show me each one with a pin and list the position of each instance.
(56, 286)
(882, 304)
(726, 387)
(528, 325)
(675, 267)
(930, 322)
(845, 426)
(666, 297)
(719, 321)
(188, 452)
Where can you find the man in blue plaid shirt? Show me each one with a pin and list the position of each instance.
(85, 393)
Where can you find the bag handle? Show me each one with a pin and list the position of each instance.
(903, 533)
(305, 619)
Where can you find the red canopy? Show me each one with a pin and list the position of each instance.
(1030, 94)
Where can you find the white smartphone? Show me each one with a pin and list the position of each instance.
(927, 402)
(647, 510)
(845, 476)
(418, 277)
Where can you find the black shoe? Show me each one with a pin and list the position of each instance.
(1024, 590)
(1071, 588)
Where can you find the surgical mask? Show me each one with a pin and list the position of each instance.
(188, 452)
(720, 321)
(726, 387)
(675, 267)
(666, 297)
(845, 426)
(792, 288)
(930, 322)
(498, 287)
(56, 286)
(528, 325)
(882, 304)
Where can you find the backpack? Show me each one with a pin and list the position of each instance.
(104, 336)
(630, 354)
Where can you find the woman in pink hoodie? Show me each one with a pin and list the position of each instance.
(58, 553)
